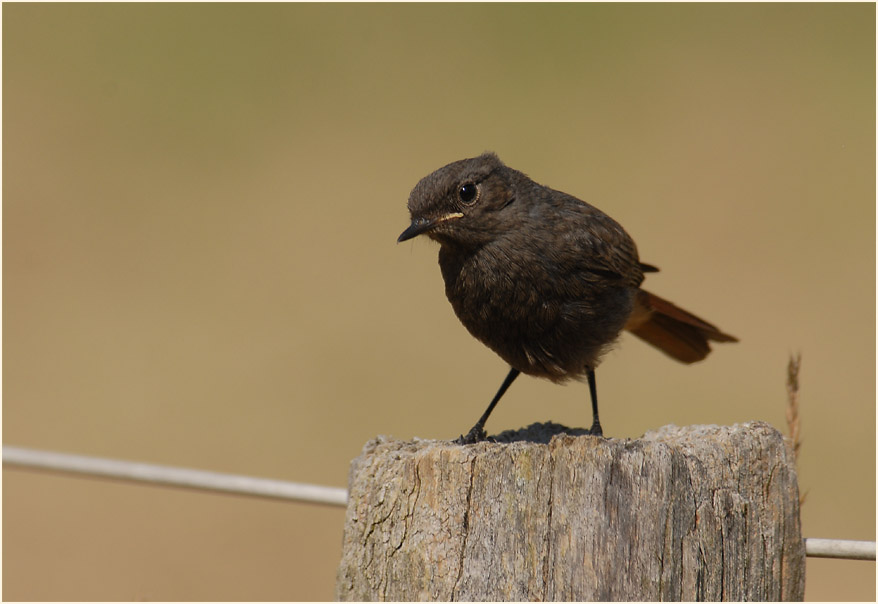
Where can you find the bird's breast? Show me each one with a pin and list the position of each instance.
(543, 319)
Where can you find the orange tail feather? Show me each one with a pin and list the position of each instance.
(674, 331)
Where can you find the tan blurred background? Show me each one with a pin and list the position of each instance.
(200, 268)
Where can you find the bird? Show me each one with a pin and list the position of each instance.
(542, 278)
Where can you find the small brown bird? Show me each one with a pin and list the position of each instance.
(542, 278)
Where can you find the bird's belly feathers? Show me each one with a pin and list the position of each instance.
(537, 321)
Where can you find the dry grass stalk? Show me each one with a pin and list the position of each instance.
(793, 402)
(794, 439)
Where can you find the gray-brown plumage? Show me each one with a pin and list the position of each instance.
(542, 278)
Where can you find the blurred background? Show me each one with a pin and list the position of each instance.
(200, 212)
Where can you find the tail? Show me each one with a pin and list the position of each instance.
(672, 330)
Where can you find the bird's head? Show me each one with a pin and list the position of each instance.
(462, 203)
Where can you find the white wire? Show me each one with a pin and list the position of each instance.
(279, 489)
(180, 477)
(840, 548)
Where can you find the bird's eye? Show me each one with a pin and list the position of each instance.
(467, 193)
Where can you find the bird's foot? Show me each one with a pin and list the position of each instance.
(476, 435)
(596, 429)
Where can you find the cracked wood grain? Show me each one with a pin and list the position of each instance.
(695, 513)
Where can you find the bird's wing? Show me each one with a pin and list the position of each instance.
(602, 244)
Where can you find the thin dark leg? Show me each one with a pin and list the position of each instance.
(478, 431)
(593, 388)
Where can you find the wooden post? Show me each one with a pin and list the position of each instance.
(695, 513)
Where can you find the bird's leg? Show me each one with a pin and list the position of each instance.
(595, 429)
(477, 433)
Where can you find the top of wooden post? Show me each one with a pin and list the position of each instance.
(694, 513)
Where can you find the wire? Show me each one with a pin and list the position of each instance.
(840, 548)
(171, 476)
(279, 489)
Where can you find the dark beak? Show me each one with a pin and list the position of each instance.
(418, 226)
(422, 225)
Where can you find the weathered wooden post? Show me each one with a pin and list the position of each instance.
(696, 513)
